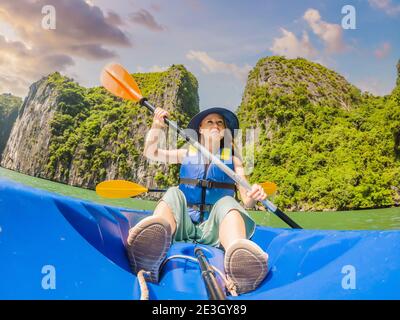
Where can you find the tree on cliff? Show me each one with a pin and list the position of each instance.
(9, 106)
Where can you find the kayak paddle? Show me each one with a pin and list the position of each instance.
(119, 82)
(269, 187)
(116, 189)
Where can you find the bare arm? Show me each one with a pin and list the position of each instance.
(151, 149)
(256, 194)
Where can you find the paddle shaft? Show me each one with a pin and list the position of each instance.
(213, 289)
(156, 190)
(152, 190)
(232, 174)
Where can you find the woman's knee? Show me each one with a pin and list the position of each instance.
(175, 200)
(174, 193)
(233, 215)
(226, 201)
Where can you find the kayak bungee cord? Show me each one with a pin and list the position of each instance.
(119, 82)
(229, 284)
(144, 289)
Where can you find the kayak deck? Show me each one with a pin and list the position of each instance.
(82, 243)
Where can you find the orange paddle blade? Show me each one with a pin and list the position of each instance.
(117, 189)
(269, 187)
(119, 82)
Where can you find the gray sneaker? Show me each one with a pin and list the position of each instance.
(246, 264)
(148, 244)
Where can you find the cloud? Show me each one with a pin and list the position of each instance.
(290, 46)
(89, 51)
(155, 7)
(19, 65)
(154, 68)
(293, 46)
(77, 24)
(145, 18)
(383, 51)
(82, 31)
(114, 19)
(329, 33)
(386, 5)
(210, 65)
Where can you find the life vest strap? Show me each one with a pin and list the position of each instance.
(207, 183)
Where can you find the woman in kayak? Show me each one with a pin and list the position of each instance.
(202, 209)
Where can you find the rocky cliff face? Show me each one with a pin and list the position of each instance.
(287, 77)
(81, 136)
(9, 106)
(27, 148)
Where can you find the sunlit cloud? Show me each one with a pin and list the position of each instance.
(329, 33)
(19, 65)
(82, 31)
(292, 47)
(210, 65)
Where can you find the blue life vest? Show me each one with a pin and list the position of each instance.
(208, 185)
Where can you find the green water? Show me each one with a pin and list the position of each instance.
(374, 219)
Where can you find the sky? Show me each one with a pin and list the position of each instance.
(219, 41)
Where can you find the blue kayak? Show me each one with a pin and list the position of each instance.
(56, 247)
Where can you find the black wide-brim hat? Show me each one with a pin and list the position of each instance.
(231, 119)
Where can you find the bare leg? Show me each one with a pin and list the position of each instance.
(232, 228)
(164, 211)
